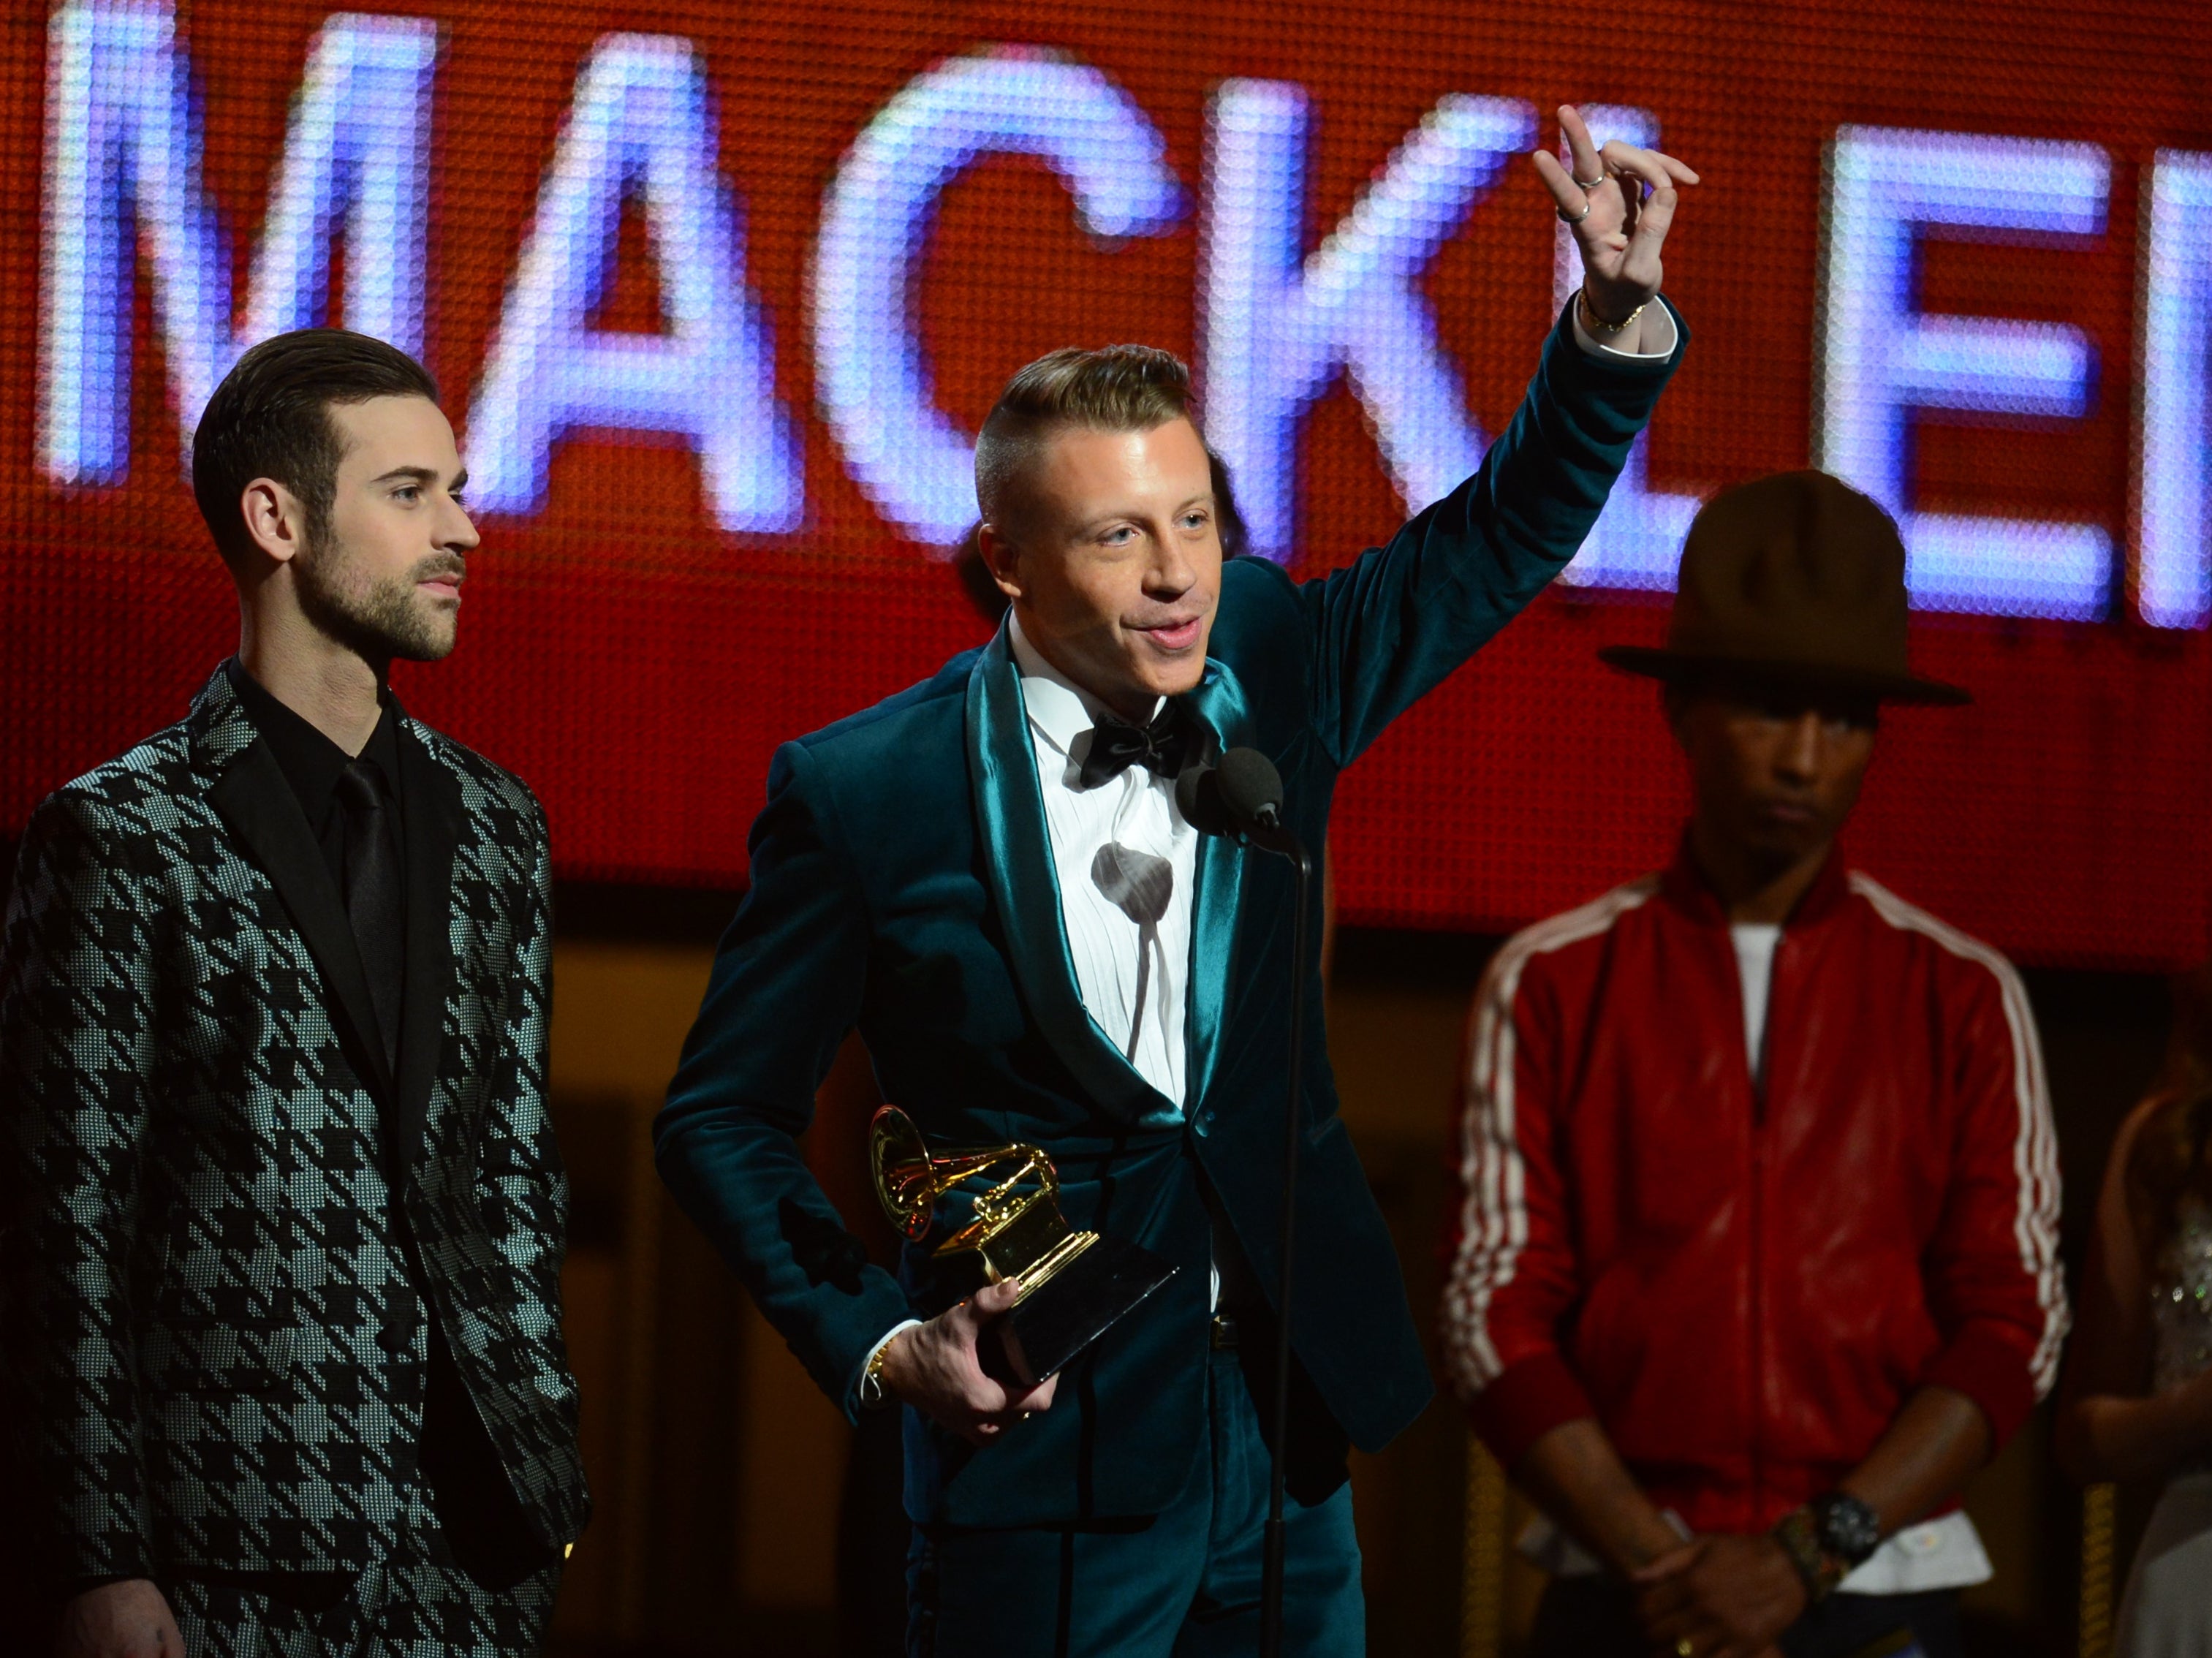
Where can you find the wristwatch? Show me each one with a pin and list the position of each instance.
(1827, 1540)
(1847, 1527)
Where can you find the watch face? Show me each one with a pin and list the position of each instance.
(1849, 1527)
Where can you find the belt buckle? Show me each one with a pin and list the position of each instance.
(1224, 1334)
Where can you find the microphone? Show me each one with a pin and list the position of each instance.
(1241, 797)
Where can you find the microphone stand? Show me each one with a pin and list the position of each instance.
(1269, 835)
(1242, 797)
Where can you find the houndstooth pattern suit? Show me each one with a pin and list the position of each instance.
(208, 1182)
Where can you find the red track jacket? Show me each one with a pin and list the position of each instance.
(1743, 1290)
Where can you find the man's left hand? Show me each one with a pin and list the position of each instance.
(1725, 1597)
(1617, 228)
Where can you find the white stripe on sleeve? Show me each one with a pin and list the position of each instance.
(2035, 1150)
(1493, 1207)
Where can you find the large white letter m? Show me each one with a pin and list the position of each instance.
(123, 147)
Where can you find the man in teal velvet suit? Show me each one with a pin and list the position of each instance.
(986, 874)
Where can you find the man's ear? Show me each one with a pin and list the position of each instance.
(275, 522)
(1000, 558)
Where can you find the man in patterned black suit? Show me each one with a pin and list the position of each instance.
(280, 1216)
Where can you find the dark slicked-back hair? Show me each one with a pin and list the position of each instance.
(270, 418)
(1114, 388)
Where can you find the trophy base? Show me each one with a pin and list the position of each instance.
(1059, 1318)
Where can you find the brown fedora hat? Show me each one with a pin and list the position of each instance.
(1796, 578)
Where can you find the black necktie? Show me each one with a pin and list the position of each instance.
(1115, 746)
(375, 902)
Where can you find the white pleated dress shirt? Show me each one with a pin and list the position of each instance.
(1132, 966)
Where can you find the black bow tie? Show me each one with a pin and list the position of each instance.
(1161, 747)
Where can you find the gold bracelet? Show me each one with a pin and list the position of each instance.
(1597, 325)
(874, 1396)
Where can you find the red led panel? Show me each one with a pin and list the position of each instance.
(655, 607)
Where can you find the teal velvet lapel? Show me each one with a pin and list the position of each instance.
(1219, 702)
(1010, 816)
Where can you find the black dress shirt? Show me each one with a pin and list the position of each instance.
(312, 764)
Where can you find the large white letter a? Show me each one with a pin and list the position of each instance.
(642, 115)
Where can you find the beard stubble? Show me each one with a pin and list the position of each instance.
(387, 618)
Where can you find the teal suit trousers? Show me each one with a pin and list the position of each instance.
(1183, 1583)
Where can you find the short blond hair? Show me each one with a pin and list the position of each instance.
(1114, 388)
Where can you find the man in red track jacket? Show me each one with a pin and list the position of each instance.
(1756, 1255)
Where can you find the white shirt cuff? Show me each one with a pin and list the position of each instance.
(1661, 318)
(871, 1391)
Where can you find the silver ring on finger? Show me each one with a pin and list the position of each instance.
(1592, 184)
(1567, 217)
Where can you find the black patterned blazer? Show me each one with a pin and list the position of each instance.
(206, 1180)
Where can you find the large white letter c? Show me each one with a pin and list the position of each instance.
(873, 381)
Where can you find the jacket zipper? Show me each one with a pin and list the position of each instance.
(1755, 1371)
(1756, 1326)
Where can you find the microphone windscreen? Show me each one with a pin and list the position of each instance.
(1251, 787)
(1198, 796)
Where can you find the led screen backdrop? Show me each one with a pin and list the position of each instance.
(717, 293)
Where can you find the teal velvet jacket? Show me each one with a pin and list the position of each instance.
(902, 882)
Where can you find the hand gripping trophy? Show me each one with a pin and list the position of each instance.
(1075, 1286)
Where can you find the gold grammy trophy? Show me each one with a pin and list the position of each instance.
(1075, 1286)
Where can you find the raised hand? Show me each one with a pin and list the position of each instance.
(1618, 227)
(935, 1367)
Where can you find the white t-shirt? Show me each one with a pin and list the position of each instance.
(1754, 969)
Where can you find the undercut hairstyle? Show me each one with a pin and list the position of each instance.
(1114, 388)
(270, 418)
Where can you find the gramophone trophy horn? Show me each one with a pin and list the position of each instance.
(1075, 1286)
